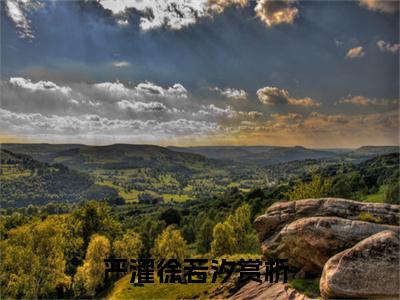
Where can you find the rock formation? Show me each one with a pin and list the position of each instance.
(354, 245)
(370, 269)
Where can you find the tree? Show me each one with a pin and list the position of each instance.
(204, 236)
(314, 189)
(235, 234)
(92, 218)
(224, 240)
(243, 229)
(90, 276)
(150, 230)
(128, 246)
(392, 194)
(171, 216)
(32, 261)
(170, 245)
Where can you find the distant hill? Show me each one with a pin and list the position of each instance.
(25, 180)
(258, 155)
(116, 156)
(370, 151)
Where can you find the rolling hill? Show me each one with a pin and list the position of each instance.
(25, 181)
(258, 155)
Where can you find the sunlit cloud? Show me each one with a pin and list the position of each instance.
(388, 47)
(363, 101)
(356, 52)
(276, 12)
(231, 93)
(275, 96)
(385, 6)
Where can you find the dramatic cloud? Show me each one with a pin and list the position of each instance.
(172, 14)
(17, 11)
(91, 125)
(319, 130)
(120, 64)
(363, 101)
(356, 52)
(231, 93)
(178, 14)
(147, 111)
(155, 14)
(276, 12)
(388, 47)
(275, 96)
(385, 6)
(218, 6)
(38, 86)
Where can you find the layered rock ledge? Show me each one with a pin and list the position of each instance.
(353, 246)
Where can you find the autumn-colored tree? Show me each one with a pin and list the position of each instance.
(128, 246)
(170, 245)
(90, 276)
(32, 261)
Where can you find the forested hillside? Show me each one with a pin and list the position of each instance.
(27, 181)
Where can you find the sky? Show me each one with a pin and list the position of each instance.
(322, 74)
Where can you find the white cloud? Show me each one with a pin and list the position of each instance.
(17, 11)
(356, 52)
(39, 86)
(231, 93)
(275, 96)
(363, 101)
(178, 14)
(37, 124)
(116, 89)
(172, 14)
(120, 64)
(276, 12)
(388, 47)
(137, 106)
(385, 6)
(215, 111)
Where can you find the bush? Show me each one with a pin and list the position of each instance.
(308, 287)
(367, 217)
(392, 194)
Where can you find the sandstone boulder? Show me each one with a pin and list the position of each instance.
(370, 269)
(282, 213)
(309, 242)
(261, 291)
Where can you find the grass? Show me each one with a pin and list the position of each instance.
(175, 197)
(308, 287)
(379, 196)
(12, 172)
(131, 196)
(123, 289)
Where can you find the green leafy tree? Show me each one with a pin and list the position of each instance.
(316, 188)
(149, 232)
(90, 276)
(392, 194)
(224, 240)
(204, 236)
(235, 234)
(170, 245)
